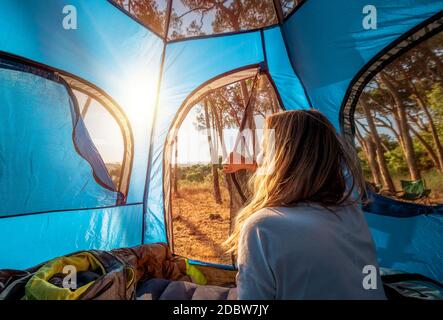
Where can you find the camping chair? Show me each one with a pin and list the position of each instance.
(415, 190)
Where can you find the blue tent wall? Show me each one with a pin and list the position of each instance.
(29, 240)
(113, 52)
(108, 49)
(412, 244)
(38, 154)
(288, 84)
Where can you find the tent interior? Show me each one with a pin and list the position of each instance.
(113, 128)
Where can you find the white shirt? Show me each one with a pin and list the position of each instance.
(306, 252)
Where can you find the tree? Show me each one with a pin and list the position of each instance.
(212, 151)
(203, 17)
(369, 149)
(400, 115)
(175, 171)
(149, 12)
(375, 138)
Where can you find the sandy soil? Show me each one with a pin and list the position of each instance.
(200, 225)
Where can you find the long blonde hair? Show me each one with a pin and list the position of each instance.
(305, 161)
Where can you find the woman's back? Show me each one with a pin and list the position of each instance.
(306, 252)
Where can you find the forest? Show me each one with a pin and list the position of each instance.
(190, 18)
(399, 125)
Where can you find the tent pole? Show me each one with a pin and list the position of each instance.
(279, 11)
(153, 125)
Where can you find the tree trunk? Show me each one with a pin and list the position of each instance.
(372, 159)
(428, 148)
(432, 56)
(215, 179)
(411, 160)
(233, 208)
(244, 92)
(386, 176)
(371, 155)
(174, 183)
(434, 131)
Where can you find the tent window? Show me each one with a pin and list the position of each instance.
(109, 130)
(289, 5)
(48, 162)
(399, 125)
(191, 18)
(201, 200)
(151, 13)
(105, 134)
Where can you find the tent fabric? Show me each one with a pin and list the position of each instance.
(108, 55)
(312, 57)
(29, 240)
(288, 84)
(115, 111)
(39, 153)
(121, 58)
(409, 244)
(389, 207)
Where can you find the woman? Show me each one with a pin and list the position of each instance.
(303, 235)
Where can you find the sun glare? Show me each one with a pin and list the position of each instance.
(138, 98)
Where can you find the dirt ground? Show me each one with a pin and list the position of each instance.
(200, 225)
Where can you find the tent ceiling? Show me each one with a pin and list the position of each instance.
(182, 19)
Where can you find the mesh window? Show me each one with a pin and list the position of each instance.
(203, 199)
(151, 13)
(289, 5)
(191, 18)
(109, 130)
(105, 134)
(48, 161)
(399, 126)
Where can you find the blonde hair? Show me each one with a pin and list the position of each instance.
(307, 162)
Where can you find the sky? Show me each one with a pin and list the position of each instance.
(103, 130)
(193, 144)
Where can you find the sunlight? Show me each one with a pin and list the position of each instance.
(138, 98)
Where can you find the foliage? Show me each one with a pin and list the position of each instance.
(404, 102)
(196, 174)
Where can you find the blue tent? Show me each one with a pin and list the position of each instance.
(56, 194)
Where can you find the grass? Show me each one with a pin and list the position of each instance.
(433, 180)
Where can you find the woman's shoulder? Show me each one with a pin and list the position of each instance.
(277, 224)
(303, 215)
(270, 217)
(260, 219)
